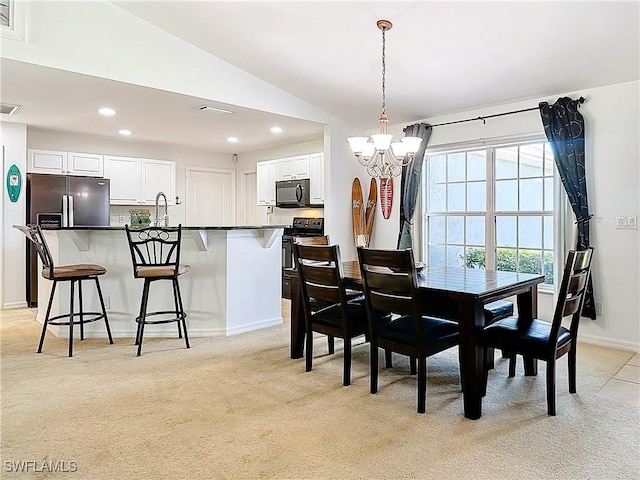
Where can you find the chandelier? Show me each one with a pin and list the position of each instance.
(382, 157)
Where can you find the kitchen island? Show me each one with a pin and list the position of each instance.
(234, 285)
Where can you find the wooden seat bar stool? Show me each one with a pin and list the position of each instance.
(155, 254)
(67, 273)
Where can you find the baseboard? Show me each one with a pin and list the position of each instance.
(609, 342)
(249, 327)
(164, 331)
(13, 305)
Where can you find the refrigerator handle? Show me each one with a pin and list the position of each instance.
(65, 211)
(70, 211)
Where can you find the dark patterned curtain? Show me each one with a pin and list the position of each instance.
(564, 127)
(410, 185)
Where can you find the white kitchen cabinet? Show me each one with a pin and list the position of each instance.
(316, 178)
(136, 181)
(124, 174)
(294, 168)
(267, 173)
(158, 176)
(65, 163)
(85, 164)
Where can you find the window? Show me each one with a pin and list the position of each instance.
(491, 207)
(5, 13)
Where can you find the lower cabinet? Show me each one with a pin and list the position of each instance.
(136, 181)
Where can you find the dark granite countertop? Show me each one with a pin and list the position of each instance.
(184, 227)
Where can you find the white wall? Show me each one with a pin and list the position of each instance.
(12, 281)
(612, 122)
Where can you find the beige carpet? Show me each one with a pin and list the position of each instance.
(239, 407)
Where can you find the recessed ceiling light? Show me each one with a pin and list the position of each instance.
(125, 132)
(232, 140)
(107, 112)
(276, 130)
(9, 108)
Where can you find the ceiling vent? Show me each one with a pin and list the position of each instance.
(213, 109)
(8, 108)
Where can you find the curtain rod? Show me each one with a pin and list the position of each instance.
(580, 101)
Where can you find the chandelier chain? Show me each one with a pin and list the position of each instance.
(384, 70)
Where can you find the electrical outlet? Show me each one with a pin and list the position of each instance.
(107, 302)
(599, 308)
(627, 222)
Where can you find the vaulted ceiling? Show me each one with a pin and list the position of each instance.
(441, 57)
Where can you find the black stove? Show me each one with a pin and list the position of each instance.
(300, 227)
(305, 227)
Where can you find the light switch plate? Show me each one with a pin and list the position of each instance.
(627, 222)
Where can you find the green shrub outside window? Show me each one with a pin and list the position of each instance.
(510, 259)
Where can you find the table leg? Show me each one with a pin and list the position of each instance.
(471, 358)
(297, 320)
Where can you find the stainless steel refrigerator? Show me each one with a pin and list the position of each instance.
(65, 201)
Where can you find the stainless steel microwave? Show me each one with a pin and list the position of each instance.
(292, 193)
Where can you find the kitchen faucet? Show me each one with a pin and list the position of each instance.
(166, 210)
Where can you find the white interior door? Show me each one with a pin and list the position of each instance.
(250, 212)
(210, 196)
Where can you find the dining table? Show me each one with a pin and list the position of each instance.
(454, 293)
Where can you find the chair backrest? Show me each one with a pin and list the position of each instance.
(323, 240)
(34, 233)
(155, 247)
(321, 275)
(390, 284)
(572, 291)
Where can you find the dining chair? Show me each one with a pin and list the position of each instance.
(155, 255)
(390, 284)
(318, 304)
(543, 340)
(75, 274)
(321, 280)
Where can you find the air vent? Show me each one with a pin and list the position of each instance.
(8, 108)
(213, 109)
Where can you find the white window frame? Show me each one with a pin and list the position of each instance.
(561, 210)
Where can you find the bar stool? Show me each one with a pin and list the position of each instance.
(66, 273)
(155, 254)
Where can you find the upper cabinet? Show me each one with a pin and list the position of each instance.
(290, 168)
(65, 163)
(158, 176)
(137, 181)
(294, 168)
(267, 173)
(316, 178)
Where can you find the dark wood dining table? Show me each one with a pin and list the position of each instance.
(458, 294)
